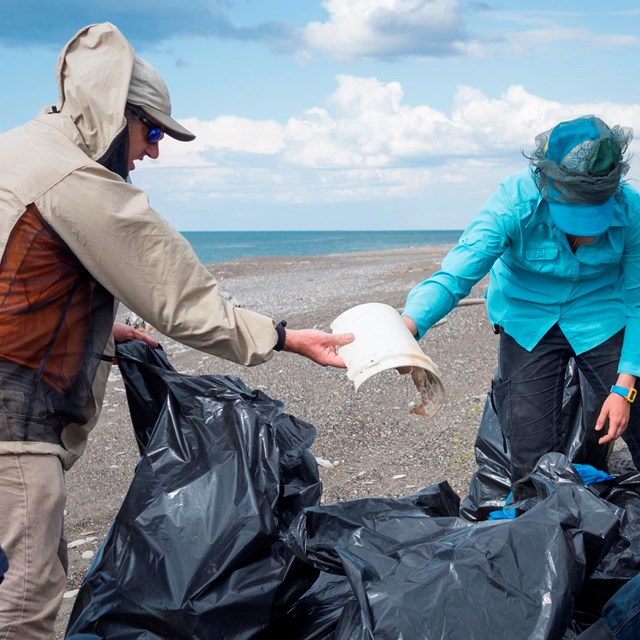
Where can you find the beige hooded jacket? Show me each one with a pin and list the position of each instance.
(75, 235)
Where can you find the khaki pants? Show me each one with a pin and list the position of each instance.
(32, 500)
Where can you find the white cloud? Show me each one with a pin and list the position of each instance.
(545, 28)
(241, 134)
(369, 145)
(218, 140)
(388, 29)
(523, 42)
(615, 41)
(394, 29)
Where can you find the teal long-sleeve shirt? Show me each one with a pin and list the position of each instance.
(536, 280)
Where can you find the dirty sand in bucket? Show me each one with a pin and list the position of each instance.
(383, 342)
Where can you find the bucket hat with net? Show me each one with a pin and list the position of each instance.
(578, 168)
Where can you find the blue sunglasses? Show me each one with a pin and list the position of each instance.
(154, 133)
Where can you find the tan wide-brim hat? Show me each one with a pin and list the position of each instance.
(149, 91)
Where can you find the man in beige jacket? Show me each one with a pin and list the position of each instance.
(76, 237)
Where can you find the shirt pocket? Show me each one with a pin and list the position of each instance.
(601, 257)
(542, 257)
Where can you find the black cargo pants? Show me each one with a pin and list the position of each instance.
(528, 395)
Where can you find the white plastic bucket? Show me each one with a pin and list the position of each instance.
(382, 342)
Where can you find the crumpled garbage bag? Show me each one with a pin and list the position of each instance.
(315, 615)
(622, 562)
(196, 550)
(490, 484)
(415, 575)
(222, 535)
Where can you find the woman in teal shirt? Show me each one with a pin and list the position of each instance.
(561, 240)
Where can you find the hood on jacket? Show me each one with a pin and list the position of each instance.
(94, 72)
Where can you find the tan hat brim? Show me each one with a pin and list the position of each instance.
(170, 126)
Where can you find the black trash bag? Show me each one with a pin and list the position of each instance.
(491, 484)
(419, 576)
(623, 560)
(316, 614)
(196, 550)
(145, 397)
(622, 563)
(393, 523)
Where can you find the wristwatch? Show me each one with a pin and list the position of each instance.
(282, 335)
(627, 394)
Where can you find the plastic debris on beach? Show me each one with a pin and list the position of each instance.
(382, 342)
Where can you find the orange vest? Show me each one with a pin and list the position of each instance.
(55, 320)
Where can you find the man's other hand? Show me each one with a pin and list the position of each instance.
(123, 332)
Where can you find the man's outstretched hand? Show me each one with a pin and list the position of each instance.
(319, 346)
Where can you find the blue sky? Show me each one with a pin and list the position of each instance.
(344, 114)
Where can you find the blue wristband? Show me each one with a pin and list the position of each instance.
(628, 394)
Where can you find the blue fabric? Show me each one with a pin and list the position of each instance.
(536, 280)
(4, 564)
(504, 513)
(582, 219)
(622, 611)
(591, 475)
(567, 139)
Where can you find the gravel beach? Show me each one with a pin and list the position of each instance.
(368, 442)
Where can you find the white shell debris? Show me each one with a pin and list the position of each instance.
(81, 541)
(76, 543)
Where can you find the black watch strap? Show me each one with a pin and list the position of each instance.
(280, 329)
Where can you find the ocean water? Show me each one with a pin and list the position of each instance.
(218, 246)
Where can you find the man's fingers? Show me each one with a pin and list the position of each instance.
(335, 361)
(343, 338)
(150, 341)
